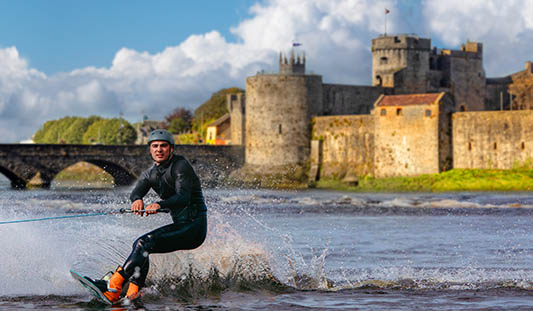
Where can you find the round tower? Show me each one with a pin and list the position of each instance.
(401, 62)
(279, 108)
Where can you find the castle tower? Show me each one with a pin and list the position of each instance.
(401, 62)
(279, 108)
(236, 108)
(464, 76)
(295, 65)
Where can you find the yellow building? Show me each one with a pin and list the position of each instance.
(218, 132)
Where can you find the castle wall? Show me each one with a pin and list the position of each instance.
(467, 79)
(492, 139)
(347, 147)
(406, 141)
(236, 108)
(350, 99)
(278, 116)
(497, 94)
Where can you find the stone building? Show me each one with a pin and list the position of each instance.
(409, 65)
(416, 87)
(513, 92)
(412, 134)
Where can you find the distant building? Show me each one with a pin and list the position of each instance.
(401, 125)
(144, 130)
(412, 134)
(219, 131)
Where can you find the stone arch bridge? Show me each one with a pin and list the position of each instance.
(20, 162)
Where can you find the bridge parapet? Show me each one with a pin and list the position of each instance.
(20, 162)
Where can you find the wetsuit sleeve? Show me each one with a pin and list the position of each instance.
(184, 183)
(141, 188)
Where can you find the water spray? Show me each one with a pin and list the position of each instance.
(120, 211)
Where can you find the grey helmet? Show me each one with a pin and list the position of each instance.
(161, 134)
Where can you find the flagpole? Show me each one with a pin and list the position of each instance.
(386, 13)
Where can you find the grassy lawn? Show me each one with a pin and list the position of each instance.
(453, 180)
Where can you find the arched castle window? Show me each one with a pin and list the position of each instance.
(379, 81)
(383, 112)
(279, 129)
(469, 146)
(495, 146)
(462, 108)
(383, 60)
(428, 113)
(523, 146)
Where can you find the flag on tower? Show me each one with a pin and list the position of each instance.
(387, 11)
(296, 44)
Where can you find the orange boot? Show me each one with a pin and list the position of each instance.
(114, 286)
(133, 291)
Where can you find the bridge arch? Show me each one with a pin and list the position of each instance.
(18, 172)
(121, 175)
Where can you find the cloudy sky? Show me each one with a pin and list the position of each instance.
(131, 57)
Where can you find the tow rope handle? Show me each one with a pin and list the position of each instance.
(127, 211)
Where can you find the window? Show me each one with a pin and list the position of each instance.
(469, 146)
(428, 113)
(398, 111)
(379, 81)
(383, 112)
(462, 108)
(279, 129)
(495, 146)
(523, 146)
(383, 60)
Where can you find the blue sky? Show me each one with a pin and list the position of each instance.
(62, 35)
(79, 58)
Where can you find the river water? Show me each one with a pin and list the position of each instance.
(280, 250)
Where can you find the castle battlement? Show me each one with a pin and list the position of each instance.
(404, 42)
(295, 65)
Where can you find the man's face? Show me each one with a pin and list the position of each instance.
(160, 151)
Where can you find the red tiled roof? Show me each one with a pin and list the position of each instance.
(407, 100)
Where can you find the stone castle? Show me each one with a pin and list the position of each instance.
(427, 111)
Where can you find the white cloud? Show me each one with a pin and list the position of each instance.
(504, 27)
(336, 37)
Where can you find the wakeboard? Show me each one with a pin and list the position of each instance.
(89, 285)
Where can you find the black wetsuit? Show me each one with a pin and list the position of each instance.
(180, 191)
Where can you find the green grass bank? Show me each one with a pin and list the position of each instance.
(452, 180)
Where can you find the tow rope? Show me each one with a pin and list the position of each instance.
(120, 211)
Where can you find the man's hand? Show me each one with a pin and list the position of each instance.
(152, 208)
(137, 206)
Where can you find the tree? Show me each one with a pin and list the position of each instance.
(212, 109)
(179, 120)
(110, 132)
(216, 106)
(54, 131)
(74, 133)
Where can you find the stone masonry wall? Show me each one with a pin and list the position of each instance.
(468, 85)
(347, 145)
(350, 99)
(279, 109)
(406, 141)
(236, 108)
(492, 139)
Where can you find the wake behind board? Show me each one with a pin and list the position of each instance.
(91, 287)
